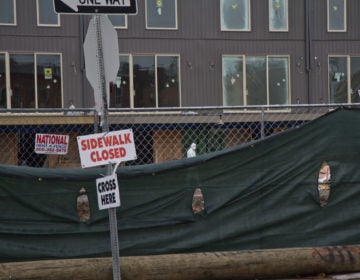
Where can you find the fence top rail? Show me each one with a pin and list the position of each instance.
(189, 110)
(182, 110)
(66, 111)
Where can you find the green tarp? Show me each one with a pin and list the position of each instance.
(259, 195)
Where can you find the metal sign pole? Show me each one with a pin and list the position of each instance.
(105, 127)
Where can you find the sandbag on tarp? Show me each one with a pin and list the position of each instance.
(260, 195)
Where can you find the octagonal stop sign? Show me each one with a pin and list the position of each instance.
(101, 47)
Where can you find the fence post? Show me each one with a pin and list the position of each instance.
(262, 123)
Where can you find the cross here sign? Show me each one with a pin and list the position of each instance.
(104, 148)
(108, 192)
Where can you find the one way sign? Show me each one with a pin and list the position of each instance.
(95, 6)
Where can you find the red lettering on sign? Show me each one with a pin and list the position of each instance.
(51, 139)
(106, 141)
(104, 155)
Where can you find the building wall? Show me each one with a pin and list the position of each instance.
(27, 37)
(200, 44)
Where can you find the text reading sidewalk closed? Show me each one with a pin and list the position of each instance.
(103, 148)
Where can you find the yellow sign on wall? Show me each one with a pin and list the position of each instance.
(47, 73)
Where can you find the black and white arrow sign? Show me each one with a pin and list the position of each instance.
(95, 6)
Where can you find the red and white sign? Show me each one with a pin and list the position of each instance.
(51, 144)
(104, 148)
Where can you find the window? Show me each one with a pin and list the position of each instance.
(144, 81)
(161, 14)
(48, 81)
(233, 81)
(35, 81)
(120, 93)
(46, 13)
(278, 15)
(336, 15)
(154, 79)
(3, 98)
(255, 80)
(278, 80)
(344, 79)
(8, 12)
(22, 81)
(167, 70)
(235, 15)
(118, 21)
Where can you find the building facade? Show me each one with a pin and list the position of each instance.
(186, 53)
(182, 53)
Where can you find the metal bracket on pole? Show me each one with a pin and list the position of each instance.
(116, 167)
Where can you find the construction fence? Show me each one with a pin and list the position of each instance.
(160, 134)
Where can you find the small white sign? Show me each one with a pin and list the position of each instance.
(108, 192)
(51, 144)
(104, 148)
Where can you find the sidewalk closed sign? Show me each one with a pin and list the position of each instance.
(104, 148)
(108, 192)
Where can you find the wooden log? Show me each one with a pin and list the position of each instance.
(197, 266)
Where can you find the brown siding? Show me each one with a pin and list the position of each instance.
(167, 145)
(8, 148)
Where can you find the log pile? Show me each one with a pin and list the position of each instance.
(251, 264)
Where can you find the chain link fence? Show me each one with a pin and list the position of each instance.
(160, 134)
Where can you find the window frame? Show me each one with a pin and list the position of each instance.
(156, 77)
(162, 28)
(328, 75)
(244, 78)
(131, 76)
(236, 29)
(328, 18)
(14, 15)
(286, 16)
(36, 90)
(348, 75)
(36, 54)
(38, 23)
(7, 79)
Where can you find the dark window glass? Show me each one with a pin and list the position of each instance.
(120, 93)
(48, 81)
(278, 81)
(338, 79)
(161, 14)
(7, 12)
(355, 79)
(22, 81)
(256, 80)
(233, 81)
(2, 82)
(168, 82)
(235, 15)
(47, 15)
(144, 81)
(278, 15)
(336, 16)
